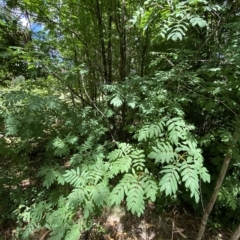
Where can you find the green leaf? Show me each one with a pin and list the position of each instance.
(71, 139)
(163, 153)
(73, 176)
(12, 124)
(116, 101)
(151, 189)
(100, 194)
(169, 181)
(205, 176)
(117, 195)
(198, 21)
(135, 199)
(38, 211)
(75, 232)
(88, 209)
(61, 149)
(77, 196)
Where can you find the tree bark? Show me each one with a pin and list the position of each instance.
(109, 53)
(236, 234)
(214, 196)
(101, 38)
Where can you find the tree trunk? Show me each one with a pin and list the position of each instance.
(236, 234)
(101, 38)
(214, 196)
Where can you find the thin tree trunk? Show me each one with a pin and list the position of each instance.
(101, 38)
(120, 20)
(144, 47)
(214, 196)
(109, 53)
(236, 234)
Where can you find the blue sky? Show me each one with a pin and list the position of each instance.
(35, 27)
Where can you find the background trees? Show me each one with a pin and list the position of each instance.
(116, 100)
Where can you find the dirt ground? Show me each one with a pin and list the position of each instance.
(117, 224)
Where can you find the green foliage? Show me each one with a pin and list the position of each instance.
(227, 198)
(51, 175)
(163, 152)
(176, 147)
(109, 104)
(60, 147)
(176, 18)
(135, 202)
(74, 232)
(116, 101)
(136, 190)
(150, 131)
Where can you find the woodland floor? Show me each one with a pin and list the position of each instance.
(116, 224)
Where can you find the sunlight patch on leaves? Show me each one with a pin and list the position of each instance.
(116, 101)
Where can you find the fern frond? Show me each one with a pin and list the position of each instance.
(169, 181)
(75, 232)
(150, 188)
(71, 139)
(176, 130)
(121, 165)
(87, 145)
(12, 125)
(204, 174)
(150, 131)
(135, 199)
(60, 147)
(38, 211)
(120, 160)
(58, 232)
(77, 196)
(72, 176)
(88, 209)
(134, 192)
(123, 150)
(50, 175)
(189, 175)
(59, 216)
(98, 153)
(28, 231)
(138, 161)
(76, 159)
(162, 153)
(117, 194)
(100, 194)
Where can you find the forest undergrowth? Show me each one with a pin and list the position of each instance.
(115, 105)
